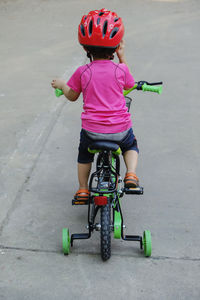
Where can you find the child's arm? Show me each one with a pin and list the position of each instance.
(121, 52)
(67, 91)
(121, 55)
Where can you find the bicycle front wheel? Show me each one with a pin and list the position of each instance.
(106, 231)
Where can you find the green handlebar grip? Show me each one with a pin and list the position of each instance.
(58, 92)
(152, 88)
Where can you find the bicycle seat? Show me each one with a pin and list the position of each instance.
(104, 145)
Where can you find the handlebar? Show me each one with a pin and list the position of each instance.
(145, 86)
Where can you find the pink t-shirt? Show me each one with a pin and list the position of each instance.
(102, 83)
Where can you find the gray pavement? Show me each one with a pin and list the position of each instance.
(39, 139)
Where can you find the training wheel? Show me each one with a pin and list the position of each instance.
(147, 243)
(66, 240)
(117, 225)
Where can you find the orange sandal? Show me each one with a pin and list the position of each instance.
(82, 195)
(131, 180)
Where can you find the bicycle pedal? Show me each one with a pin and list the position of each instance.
(138, 191)
(79, 202)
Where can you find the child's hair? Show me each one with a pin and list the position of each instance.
(100, 52)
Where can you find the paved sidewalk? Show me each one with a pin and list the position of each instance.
(39, 140)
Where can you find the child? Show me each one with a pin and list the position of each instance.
(102, 83)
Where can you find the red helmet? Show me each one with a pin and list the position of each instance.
(101, 28)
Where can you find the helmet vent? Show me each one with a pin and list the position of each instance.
(82, 30)
(101, 14)
(113, 32)
(98, 21)
(105, 26)
(116, 19)
(90, 27)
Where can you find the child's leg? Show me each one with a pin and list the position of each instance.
(83, 174)
(131, 160)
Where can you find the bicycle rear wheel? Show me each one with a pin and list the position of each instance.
(106, 231)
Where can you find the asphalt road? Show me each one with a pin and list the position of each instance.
(39, 136)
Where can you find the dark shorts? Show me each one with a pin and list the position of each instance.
(127, 143)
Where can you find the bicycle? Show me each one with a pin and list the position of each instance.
(106, 193)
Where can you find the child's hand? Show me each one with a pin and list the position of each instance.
(121, 50)
(58, 83)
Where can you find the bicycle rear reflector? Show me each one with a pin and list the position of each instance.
(100, 200)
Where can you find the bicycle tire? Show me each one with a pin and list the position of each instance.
(106, 231)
